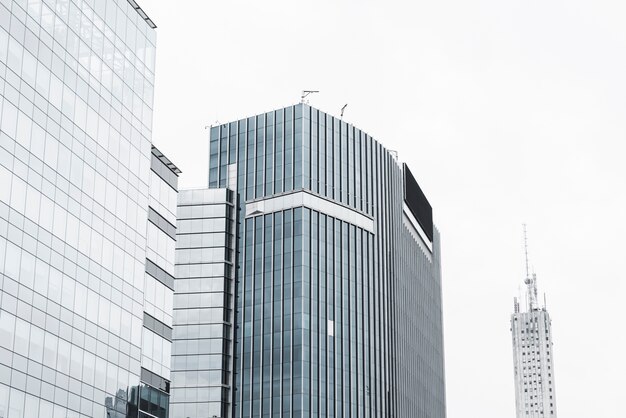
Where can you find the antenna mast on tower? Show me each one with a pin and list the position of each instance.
(305, 93)
(531, 282)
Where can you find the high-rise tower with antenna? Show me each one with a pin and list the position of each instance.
(533, 356)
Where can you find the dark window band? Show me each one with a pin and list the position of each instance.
(162, 172)
(159, 274)
(164, 168)
(155, 380)
(418, 203)
(157, 326)
(143, 14)
(161, 223)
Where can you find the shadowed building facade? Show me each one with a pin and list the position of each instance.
(336, 285)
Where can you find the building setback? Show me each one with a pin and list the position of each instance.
(87, 214)
(332, 297)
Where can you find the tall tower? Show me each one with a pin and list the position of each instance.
(533, 356)
(308, 278)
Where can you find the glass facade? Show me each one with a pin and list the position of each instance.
(307, 300)
(158, 292)
(337, 285)
(203, 304)
(295, 148)
(85, 254)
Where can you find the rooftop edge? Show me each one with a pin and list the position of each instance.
(143, 14)
(165, 160)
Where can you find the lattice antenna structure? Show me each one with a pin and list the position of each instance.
(530, 281)
(535, 297)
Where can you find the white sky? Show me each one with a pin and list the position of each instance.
(507, 111)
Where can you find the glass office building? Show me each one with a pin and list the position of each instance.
(87, 214)
(337, 290)
(203, 314)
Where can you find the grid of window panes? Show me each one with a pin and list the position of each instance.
(298, 147)
(307, 293)
(534, 365)
(76, 81)
(156, 344)
(418, 358)
(203, 314)
(152, 403)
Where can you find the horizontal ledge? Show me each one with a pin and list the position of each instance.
(311, 201)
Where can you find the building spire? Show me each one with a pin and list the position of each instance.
(530, 281)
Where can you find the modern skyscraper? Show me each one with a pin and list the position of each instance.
(87, 214)
(533, 355)
(332, 297)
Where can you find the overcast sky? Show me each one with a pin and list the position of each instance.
(507, 111)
